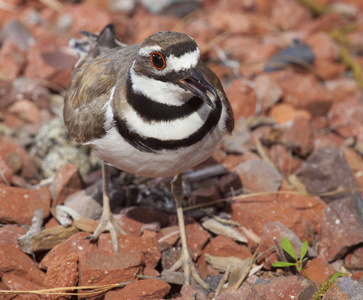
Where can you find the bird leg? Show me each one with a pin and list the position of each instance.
(185, 260)
(107, 222)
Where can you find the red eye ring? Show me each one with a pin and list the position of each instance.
(157, 60)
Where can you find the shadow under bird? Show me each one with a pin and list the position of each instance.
(151, 109)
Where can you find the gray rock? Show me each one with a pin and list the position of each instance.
(239, 140)
(178, 8)
(65, 22)
(286, 287)
(88, 202)
(30, 88)
(341, 227)
(326, 170)
(344, 288)
(259, 176)
(354, 260)
(122, 5)
(278, 230)
(18, 34)
(62, 155)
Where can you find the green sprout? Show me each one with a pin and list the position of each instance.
(324, 286)
(287, 246)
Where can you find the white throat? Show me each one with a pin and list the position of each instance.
(159, 91)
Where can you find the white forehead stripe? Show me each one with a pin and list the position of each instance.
(147, 50)
(186, 61)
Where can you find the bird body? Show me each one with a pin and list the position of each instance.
(151, 109)
(141, 119)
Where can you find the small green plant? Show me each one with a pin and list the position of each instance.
(324, 286)
(287, 246)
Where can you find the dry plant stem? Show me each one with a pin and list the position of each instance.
(4, 178)
(245, 274)
(205, 173)
(223, 281)
(281, 253)
(213, 42)
(141, 276)
(35, 228)
(306, 275)
(332, 128)
(266, 251)
(186, 19)
(7, 6)
(244, 196)
(352, 64)
(315, 7)
(98, 289)
(220, 220)
(262, 152)
(252, 85)
(54, 4)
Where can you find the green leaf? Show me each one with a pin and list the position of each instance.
(286, 245)
(304, 249)
(335, 276)
(299, 267)
(306, 258)
(280, 264)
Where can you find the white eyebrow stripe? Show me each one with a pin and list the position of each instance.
(186, 61)
(147, 50)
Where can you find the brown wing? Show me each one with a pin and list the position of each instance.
(87, 93)
(91, 83)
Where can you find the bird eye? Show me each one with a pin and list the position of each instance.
(157, 60)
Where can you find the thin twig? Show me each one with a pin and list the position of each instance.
(222, 281)
(25, 241)
(221, 220)
(263, 152)
(281, 253)
(186, 19)
(259, 194)
(332, 128)
(4, 178)
(53, 4)
(205, 173)
(98, 289)
(271, 249)
(213, 42)
(245, 274)
(7, 6)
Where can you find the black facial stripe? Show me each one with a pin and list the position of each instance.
(153, 111)
(171, 76)
(181, 48)
(153, 145)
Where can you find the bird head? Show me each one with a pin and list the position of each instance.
(169, 62)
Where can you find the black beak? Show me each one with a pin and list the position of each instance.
(199, 87)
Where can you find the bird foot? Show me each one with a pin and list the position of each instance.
(108, 223)
(189, 271)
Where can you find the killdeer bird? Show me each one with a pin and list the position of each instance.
(151, 109)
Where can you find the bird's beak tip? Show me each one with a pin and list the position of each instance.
(199, 87)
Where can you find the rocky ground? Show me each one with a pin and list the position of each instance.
(293, 168)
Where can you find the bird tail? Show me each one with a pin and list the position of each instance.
(93, 44)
